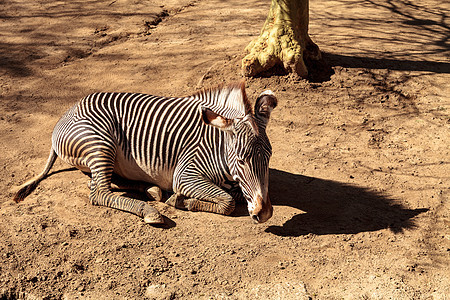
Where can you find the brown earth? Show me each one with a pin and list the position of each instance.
(359, 176)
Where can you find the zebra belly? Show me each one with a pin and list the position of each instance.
(76, 162)
(129, 169)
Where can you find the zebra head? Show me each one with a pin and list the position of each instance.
(249, 151)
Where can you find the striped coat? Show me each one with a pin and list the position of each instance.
(186, 145)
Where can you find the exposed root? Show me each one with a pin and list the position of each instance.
(284, 41)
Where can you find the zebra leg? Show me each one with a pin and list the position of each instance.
(208, 198)
(101, 193)
(237, 194)
(223, 206)
(120, 184)
(152, 191)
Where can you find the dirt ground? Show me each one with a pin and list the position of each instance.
(359, 175)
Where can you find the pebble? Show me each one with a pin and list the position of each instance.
(159, 292)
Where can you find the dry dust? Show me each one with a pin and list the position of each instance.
(359, 176)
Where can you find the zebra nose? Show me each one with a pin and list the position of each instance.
(263, 210)
(255, 218)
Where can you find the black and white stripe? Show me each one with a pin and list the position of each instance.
(170, 143)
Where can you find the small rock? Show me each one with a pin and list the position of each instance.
(159, 292)
(99, 260)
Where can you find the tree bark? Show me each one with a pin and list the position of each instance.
(283, 41)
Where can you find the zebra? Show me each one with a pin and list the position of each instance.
(209, 149)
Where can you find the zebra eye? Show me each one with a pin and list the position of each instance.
(241, 162)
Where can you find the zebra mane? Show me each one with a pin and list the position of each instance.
(229, 101)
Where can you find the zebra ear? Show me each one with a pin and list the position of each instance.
(211, 118)
(264, 105)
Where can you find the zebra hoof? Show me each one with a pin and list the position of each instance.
(176, 201)
(189, 204)
(153, 218)
(172, 201)
(155, 193)
(151, 215)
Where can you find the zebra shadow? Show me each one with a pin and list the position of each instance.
(332, 207)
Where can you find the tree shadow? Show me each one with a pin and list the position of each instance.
(11, 63)
(371, 39)
(332, 207)
(347, 61)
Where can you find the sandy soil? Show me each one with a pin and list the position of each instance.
(359, 176)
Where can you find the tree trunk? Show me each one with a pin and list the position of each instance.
(283, 41)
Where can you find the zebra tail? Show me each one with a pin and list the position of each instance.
(25, 189)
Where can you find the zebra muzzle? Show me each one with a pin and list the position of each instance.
(263, 210)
